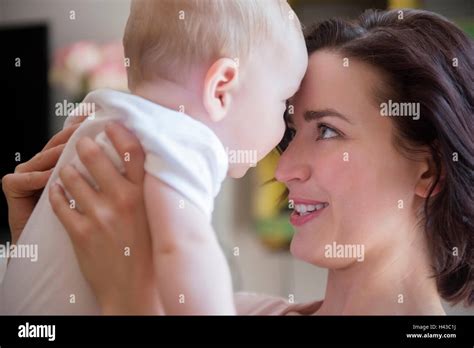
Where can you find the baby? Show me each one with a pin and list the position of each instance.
(206, 77)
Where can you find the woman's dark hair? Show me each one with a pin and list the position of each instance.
(424, 58)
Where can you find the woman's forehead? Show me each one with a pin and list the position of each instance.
(329, 81)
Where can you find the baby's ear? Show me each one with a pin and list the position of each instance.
(219, 85)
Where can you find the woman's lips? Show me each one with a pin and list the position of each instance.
(305, 210)
(298, 220)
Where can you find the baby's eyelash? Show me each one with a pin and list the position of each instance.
(287, 138)
(292, 132)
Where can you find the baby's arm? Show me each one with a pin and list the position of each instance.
(193, 275)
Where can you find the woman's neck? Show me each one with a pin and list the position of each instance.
(396, 281)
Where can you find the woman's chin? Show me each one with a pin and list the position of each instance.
(307, 251)
(307, 248)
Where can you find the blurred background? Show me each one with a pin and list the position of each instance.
(57, 50)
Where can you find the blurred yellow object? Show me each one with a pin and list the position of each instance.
(392, 4)
(268, 193)
(271, 216)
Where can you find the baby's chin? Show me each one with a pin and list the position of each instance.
(237, 171)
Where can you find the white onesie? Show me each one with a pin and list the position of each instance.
(180, 151)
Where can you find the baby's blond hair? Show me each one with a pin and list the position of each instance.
(164, 37)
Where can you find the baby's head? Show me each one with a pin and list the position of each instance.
(242, 59)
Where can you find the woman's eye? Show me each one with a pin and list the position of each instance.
(325, 132)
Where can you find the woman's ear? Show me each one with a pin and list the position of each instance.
(220, 83)
(428, 177)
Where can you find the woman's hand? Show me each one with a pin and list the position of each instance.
(111, 235)
(23, 188)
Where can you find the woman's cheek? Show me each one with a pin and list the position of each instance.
(348, 182)
(368, 192)
(334, 170)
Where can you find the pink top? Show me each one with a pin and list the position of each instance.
(257, 304)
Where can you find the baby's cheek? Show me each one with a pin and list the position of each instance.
(278, 132)
(269, 134)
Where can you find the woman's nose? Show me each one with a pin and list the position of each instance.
(292, 166)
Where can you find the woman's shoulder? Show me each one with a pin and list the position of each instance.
(248, 303)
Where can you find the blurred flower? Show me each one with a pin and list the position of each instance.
(82, 57)
(84, 66)
(108, 75)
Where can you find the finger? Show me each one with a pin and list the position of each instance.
(61, 137)
(100, 167)
(128, 146)
(80, 190)
(71, 219)
(19, 185)
(42, 161)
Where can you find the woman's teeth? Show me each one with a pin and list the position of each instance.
(304, 209)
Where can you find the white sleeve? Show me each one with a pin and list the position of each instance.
(181, 152)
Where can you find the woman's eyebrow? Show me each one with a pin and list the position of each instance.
(312, 115)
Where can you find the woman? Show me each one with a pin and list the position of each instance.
(378, 160)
